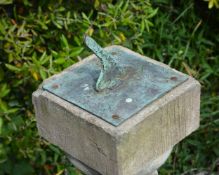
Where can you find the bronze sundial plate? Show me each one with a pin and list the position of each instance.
(143, 83)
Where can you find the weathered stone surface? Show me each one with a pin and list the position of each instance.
(147, 170)
(82, 167)
(130, 148)
(155, 173)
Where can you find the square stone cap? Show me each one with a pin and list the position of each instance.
(144, 82)
(132, 121)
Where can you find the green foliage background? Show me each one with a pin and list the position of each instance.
(41, 38)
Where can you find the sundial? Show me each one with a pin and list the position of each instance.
(115, 106)
(115, 85)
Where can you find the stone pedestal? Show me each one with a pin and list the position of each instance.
(154, 165)
(138, 146)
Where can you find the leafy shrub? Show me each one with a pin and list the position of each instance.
(41, 38)
(213, 3)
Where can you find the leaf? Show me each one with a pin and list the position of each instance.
(4, 90)
(96, 4)
(154, 12)
(122, 37)
(54, 53)
(12, 110)
(42, 56)
(2, 29)
(57, 24)
(85, 17)
(125, 7)
(77, 40)
(6, 2)
(13, 68)
(60, 172)
(189, 70)
(59, 61)
(46, 59)
(210, 4)
(35, 75)
(43, 74)
(36, 62)
(142, 26)
(90, 31)
(3, 106)
(76, 51)
(64, 42)
(55, 149)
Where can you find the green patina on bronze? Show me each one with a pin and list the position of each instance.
(111, 73)
(115, 86)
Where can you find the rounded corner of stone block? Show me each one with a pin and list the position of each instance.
(190, 84)
(37, 93)
(194, 81)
